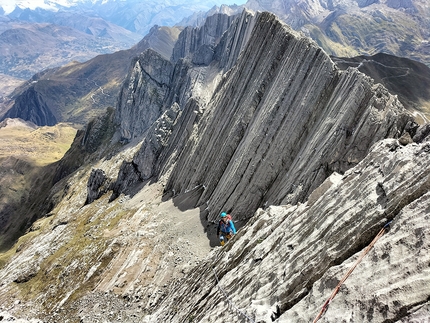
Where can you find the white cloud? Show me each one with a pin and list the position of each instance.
(9, 5)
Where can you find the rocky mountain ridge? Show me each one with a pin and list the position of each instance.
(401, 76)
(270, 130)
(355, 124)
(322, 21)
(287, 260)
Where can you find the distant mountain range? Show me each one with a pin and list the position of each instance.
(134, 15)
(36, 35)
(28, 48)
(44, 38)
(359, 27)
(77, 92)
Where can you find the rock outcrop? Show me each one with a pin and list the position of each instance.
(202, 40)
(404, 77)
(301, 119)
(284, 264)
(275, 127)
(143, 94)
(32, 107)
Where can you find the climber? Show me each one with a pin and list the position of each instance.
(225, 228)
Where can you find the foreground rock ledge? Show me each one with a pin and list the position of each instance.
(285, 263)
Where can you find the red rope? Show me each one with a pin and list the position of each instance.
(336, 290)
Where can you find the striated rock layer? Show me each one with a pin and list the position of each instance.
(279, 122)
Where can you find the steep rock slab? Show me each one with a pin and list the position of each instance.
(155, 86)
(31, 106)
(144, 163)
(220, 39)
(281, 121)
(407, 78)
(286, 261)
(202, 39)
(142, 96)
(235, 39)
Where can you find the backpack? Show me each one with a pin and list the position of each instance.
(229, 218)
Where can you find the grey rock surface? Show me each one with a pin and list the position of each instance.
(204, 38)
(10, 318)
(285, 263)
(144, 163)
(98, 184)
(143, 94)
(299, 120)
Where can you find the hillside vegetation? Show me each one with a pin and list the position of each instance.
(26, 152)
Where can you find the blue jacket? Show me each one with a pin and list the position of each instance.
(226, 227)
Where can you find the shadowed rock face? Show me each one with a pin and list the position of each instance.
(285, 109)
(278, 124)
(31, 106)
(202, 40)
(407, 78)
(143, 94)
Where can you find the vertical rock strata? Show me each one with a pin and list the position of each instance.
(285, 263)
(202, 40)
(155, 85)
(143, 94)
(282, 120)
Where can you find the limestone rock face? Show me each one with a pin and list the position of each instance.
(269, 130)
(145, 161)
(291, 122)
(160, 99)
(202, 39)
(299, 120)
(142, 96)
(285, 263)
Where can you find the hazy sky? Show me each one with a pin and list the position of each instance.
(9, 5)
